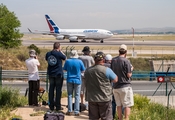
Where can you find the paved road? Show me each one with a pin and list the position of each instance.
(146, 88)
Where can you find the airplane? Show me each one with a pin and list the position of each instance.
(74, 34)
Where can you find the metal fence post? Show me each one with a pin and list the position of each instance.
(47, 80)
(0, 76)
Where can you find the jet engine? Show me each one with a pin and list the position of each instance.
(60, 37)
(74, 38)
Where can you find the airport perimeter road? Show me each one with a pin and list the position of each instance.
(146, 88)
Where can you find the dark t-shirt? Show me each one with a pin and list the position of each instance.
(121, 66)
(54, 59)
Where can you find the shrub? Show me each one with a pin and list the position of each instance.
(32, 46)
(143, 109)
(11, 98)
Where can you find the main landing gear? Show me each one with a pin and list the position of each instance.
(101, 41)
(83, 40)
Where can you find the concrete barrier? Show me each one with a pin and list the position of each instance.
(163, 100)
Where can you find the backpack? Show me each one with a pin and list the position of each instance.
(53, 116)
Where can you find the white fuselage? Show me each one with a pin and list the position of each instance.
(96, 34)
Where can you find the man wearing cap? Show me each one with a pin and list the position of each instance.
(74, 68)
(55, 71)
(32, 64)
(108, 59)
(99, 89)
(87, 61)
(122, 89)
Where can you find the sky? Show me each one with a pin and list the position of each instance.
(93, 14)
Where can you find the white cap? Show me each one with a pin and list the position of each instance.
(32, 53)
(108, 57)
(123, 46)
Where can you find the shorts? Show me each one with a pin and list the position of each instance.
(124, 96)
(82, 86)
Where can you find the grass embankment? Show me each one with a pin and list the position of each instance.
(14, 59)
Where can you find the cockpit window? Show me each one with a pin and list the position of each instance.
(109, 32)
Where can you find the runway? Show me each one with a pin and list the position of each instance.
(107, 42)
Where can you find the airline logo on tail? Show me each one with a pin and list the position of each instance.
(53, 27)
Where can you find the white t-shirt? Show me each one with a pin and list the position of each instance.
(32, 66)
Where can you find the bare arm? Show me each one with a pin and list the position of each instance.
(115, 80)
(129, 75)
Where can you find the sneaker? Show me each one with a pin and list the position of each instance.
(77, 114)
(59, 111)
(69, 113)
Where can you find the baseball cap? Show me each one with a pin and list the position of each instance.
(123, 46)
(32, 53)
(108, 57)
(99, 56)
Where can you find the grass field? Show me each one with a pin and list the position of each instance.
(147, 37)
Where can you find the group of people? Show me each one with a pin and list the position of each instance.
(103, 80)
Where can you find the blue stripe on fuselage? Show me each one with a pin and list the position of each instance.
(90, 31)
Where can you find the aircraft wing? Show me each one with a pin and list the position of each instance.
(40, 32)
(57, 34)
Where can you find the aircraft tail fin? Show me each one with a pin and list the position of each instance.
(52, 26)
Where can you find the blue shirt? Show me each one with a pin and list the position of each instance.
(110, 74)
(74, 67)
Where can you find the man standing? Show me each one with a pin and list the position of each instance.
(87, 61)
(122, 89)
(108, 59)
(99, 89)
(55, 72)
(74, 68)
(32, 64)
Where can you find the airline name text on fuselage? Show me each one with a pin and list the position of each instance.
(90, 30)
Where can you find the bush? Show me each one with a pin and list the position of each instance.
(32, 46)
(11, 98)
(143, 109)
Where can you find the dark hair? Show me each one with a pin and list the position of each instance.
(56, 45)
(122, 51)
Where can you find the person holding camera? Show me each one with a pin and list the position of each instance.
(32, 65)
(55, 72)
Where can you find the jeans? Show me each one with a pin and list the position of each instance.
(55, 82)
(76, 88)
